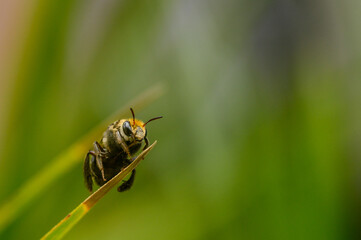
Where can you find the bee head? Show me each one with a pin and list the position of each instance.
(134, 129)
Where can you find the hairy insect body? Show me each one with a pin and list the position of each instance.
(112, 145)
(115, 151)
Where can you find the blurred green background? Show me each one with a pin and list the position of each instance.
(261, 131)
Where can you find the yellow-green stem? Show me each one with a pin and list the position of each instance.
(59, 230)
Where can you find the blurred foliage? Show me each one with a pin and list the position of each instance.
(261, 133)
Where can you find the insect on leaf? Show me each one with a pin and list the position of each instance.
(12, 207)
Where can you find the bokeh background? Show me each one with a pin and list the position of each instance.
(261, 131)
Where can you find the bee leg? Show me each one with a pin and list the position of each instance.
(99, 154)
(126, 185)
(146, 143)
(122, 143)
(87, 172)
(95, 172)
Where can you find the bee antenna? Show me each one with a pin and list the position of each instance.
(131, 109)
(151, 120)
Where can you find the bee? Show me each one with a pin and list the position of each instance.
(115, 151)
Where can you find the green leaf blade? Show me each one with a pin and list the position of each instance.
(64, 226)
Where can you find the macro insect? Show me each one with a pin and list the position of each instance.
(115, 151)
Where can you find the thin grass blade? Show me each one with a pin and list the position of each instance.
(59, 230)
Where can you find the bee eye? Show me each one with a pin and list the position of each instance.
(127, 129)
